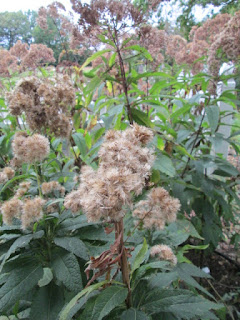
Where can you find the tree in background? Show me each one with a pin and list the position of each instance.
(54, 28)
(187, 19)
(16, 26)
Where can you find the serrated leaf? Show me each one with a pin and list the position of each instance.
(162, 280)
(74, 245)
(141, 118)
(140, 256)
(66, 269)
(140, 49)
(152, 74)
(213, 117)
(80, 143)
(150, 266)
(19, 282)
(93, 57)
(72, 224)
(105, 302)
(112, 59)
(186, 273)
(189, 228)
(181, 303)
(165, 165)
(180, 111)
(134, 314)
(66, 310)
(22, 242)
(47, 303)
(47, 277)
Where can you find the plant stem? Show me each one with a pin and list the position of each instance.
(123, 73)
(119, 228)
(194, 143)
(38, 180)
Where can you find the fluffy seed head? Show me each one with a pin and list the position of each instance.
(32, 211)
(48, 187)
(11, 209)
(163, 252)
(158, 209)
(30, 149)
(125, 164)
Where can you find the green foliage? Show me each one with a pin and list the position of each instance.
(43, 267)
(16, 26)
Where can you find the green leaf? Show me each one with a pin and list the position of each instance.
(134, 314)
(183, 151)
(140, 49)
(105, 302)
(213, 117)
(99, 133)
(80, 142)
(72, 224)
(93, 57)
(47, 277)
(189, 228)
(165, 165)
(74, 245)
(105, 40)
(175, 115)
(66, 269)
(23, 176)
(187, 271)
(22, 242)
(66, 310)
(140, 256)
(47, 303)
(112, 59)
(163, 265)
(152, 74)
(21, 280)
(181, 303)
(162, 280)
(141, 118)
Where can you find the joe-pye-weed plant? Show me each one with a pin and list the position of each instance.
(108, 176)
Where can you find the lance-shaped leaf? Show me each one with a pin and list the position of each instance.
(21, 280)
(66, 269)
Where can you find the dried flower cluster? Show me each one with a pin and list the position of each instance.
(48, 187)
(109, 16)
(187, 53)
(158, 209)
(154, 40)
(7, 62)
(56, 11)
(32, 211)
(30, 149)
(22, 189)
(22, 56)
(45, 102)
(7, 174)
(125, 164)
(228, 41)
(163, 252)
(28, 211)
(23, 208)
(11, 209)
